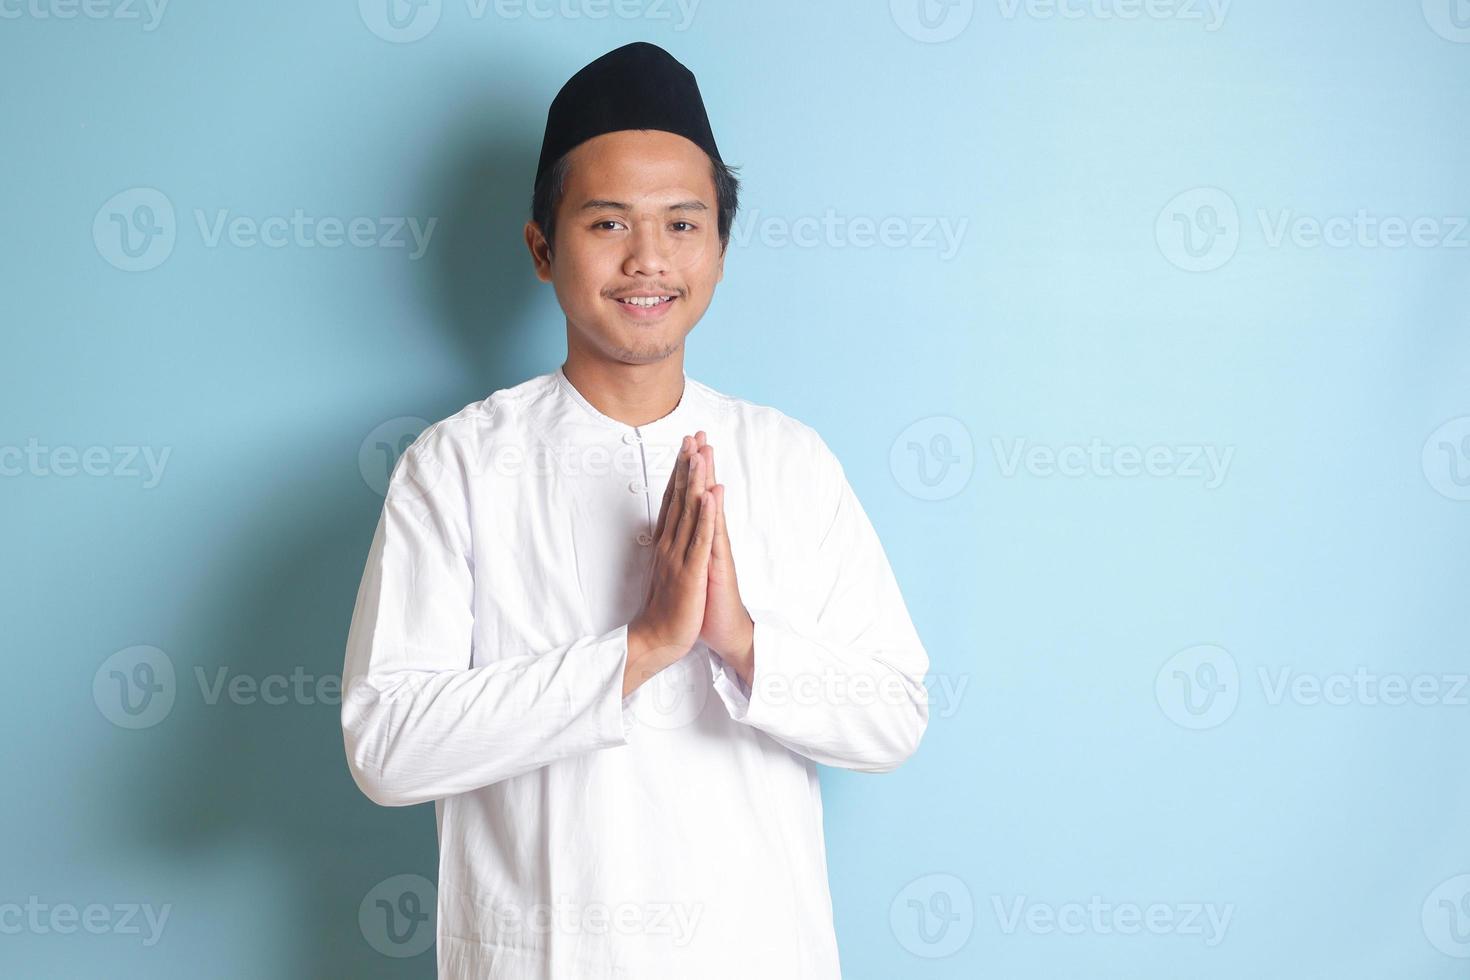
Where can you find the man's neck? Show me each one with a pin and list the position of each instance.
(634, 394)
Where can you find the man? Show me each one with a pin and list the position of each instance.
(551, 641)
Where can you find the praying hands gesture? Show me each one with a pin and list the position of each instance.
(692, 593)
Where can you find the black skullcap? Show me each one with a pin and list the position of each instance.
(637, 86)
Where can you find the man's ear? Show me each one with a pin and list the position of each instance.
(540, 251)
(720, 277)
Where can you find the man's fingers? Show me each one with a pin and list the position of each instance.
(720, 547)
(704, 532)
(663, 508)
(693, 489)
(676, 499)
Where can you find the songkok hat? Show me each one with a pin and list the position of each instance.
(637, 86)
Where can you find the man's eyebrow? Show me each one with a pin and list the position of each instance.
(601, 205)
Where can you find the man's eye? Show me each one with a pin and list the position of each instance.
(604, 224)
(687, 226)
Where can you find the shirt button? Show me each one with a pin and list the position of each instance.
(645, 538)
(632, 437)
(636, 486)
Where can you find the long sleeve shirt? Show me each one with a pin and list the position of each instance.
(672, 833)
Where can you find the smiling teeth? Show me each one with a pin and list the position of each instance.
(645, 300)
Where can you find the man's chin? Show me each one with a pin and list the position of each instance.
(648, 350)
(633, 343)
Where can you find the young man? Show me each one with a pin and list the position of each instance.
(551, 641)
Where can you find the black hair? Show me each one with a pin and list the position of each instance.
(547, 194)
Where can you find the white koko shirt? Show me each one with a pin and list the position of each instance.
(675, 834)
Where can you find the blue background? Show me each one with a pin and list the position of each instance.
(1074, 308)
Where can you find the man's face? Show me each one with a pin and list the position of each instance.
(638, 218)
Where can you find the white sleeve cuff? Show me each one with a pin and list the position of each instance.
(730, 687)
(603, 672)
(746, 702)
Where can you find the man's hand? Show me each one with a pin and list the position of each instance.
(674, 607)
(728, 629)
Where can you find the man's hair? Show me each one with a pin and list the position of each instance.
(548, 192)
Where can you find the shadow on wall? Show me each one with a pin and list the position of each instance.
(270, 782)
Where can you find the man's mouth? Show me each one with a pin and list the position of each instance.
(646, 302)
(647, 308)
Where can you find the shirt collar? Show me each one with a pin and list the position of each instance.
(680, 422)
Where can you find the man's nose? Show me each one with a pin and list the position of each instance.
(648, 250)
